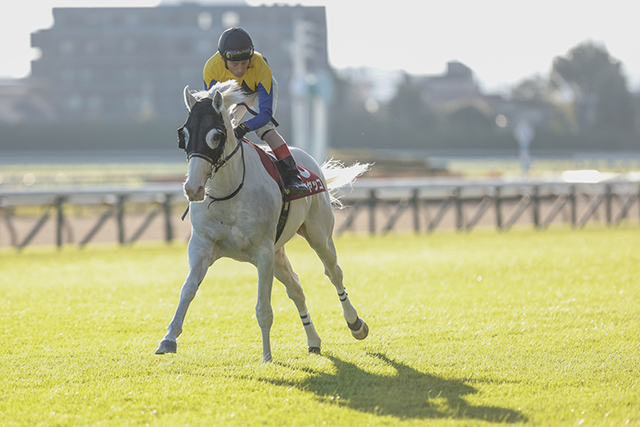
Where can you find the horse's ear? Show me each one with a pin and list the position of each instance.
(218, 101)
(189, 99)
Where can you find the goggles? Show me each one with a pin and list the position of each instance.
(238, 55)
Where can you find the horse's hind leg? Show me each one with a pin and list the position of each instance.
(319, 238)
(289, 278)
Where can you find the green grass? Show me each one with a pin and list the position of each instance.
(535, 328)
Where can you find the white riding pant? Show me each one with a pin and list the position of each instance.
(268, 132)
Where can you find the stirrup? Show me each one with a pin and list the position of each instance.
(296, 188)
(291, 177)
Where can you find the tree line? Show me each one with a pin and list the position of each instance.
(585, 95)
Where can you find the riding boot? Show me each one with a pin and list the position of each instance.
(292, 182)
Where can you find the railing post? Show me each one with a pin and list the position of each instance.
(7, 212)
(416, 210)
(535, 200)
(498, 196)
(167, 218)
(59, 220)
(459, 214)
(607, 203)
(573, 205)
(372, 211)
(120, 219)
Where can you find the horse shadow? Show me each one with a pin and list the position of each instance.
(407, 394)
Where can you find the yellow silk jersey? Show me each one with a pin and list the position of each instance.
(257, 78)
(258, 72)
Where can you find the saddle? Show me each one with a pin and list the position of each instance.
(310, 179)
(270, 163)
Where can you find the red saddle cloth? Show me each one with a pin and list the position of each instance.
(310, 179)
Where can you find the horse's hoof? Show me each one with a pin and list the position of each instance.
(167, 346)
(359, 329)
(314, 350)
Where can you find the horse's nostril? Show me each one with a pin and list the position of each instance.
(194, 193)
(200, 193)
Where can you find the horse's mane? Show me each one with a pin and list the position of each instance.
(231, 93)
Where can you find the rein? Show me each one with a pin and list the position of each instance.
(216, 167)
(220, 163)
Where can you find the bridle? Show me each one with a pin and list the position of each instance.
(198, 147)
(215, 167)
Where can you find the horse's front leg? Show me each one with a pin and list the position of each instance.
(199, 259)
(264, 312)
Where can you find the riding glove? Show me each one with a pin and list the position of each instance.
(240, 131)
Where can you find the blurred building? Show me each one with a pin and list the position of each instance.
(120, 64)
(17, 104)
(636, 104)
(455, 88)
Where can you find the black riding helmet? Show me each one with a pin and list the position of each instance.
(235, 44)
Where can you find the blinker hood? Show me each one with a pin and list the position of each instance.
(191, 136)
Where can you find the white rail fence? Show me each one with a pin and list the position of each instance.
(468, 204)
(373, 206)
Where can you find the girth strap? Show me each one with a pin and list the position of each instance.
(284, 215)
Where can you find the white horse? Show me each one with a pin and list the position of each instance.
(235, 207)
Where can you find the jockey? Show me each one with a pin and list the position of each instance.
(236, 60)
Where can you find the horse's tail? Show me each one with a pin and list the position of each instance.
(338, 175)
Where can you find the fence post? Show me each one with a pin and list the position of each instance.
(59, 220)
(416, 210)
(372, 212)
(458, 202)
(120, 218)
(7, 212)
(535, 200)
(607, 204)
(498, 197)
(167, 218)
(573, 204)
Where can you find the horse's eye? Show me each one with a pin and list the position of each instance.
(183, 137)
(213, 138)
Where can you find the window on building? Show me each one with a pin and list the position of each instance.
(183, 46)
(94, 102)
(230, 19)
(66, 47)
(130, 75)
(206, 47)
(86, 75)
(74, 103)
(205, 20)
(129, 46)
(131, 19)
(91, 47)
(68, 76)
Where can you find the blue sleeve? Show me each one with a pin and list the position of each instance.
(265, 102)
(210, 84)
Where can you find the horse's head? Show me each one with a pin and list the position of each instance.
(205, 133)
